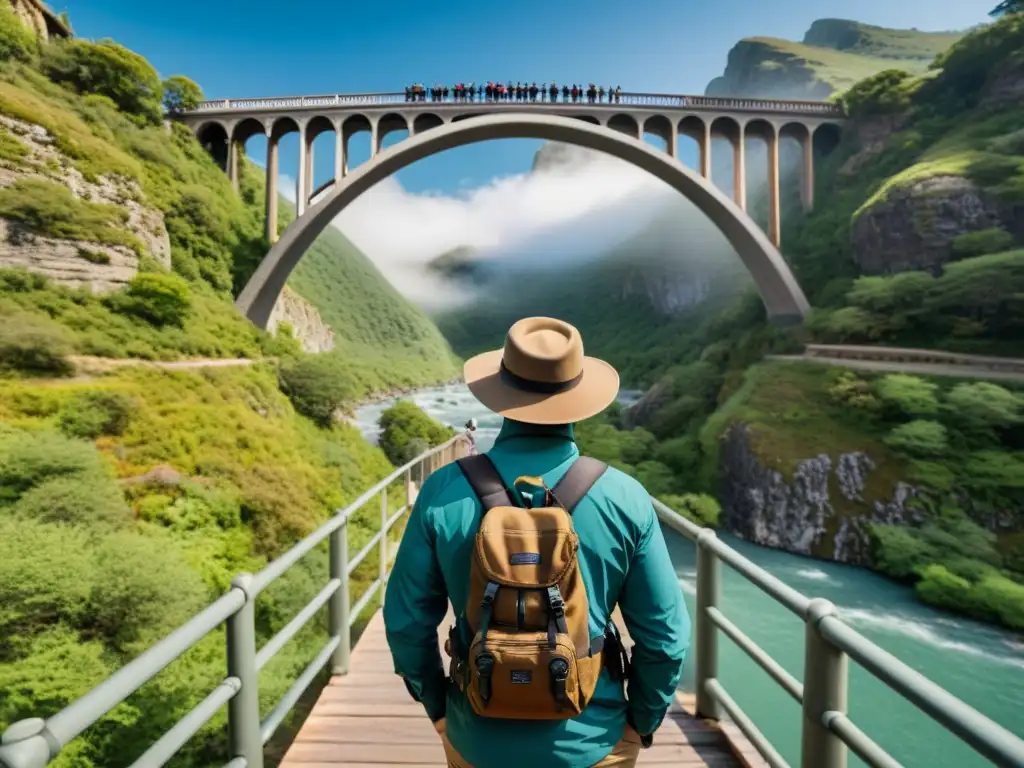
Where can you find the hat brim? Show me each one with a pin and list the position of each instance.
(596, 390)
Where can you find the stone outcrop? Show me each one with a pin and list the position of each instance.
(914, 227)
(307, 326)
(76, 263)
(824, 510)
(39, 18)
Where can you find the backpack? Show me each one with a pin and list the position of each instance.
(530, 655)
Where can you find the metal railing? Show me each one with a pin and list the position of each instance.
(34, 742)
(631, 99)
(827, 732)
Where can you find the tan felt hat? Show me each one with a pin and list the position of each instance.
(542, 375)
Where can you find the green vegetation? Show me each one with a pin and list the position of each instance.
(106, 69)
(129, 500)
(181, 94)
(100, 556)
(956, 442)
(51, 209)
(406, 432)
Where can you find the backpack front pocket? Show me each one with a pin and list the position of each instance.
(522, 676)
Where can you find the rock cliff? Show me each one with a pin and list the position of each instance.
(824, 510)
(915, 227)
(100, 266)
(304, 320)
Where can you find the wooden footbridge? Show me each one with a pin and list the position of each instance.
(365, 717)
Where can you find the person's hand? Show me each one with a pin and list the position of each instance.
(441, 725)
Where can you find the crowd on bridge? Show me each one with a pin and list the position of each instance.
(521, 92)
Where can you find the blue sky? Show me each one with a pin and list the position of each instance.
(263, 48)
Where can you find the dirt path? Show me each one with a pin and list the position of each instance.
(905, 366)
(87, 366)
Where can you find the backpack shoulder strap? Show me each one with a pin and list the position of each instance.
(574, 485)
(485, 481)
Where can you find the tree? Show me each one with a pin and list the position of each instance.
(181, 94)
(108, 69)
(406, 431)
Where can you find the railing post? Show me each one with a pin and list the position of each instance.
(825, 688)
(25, 744)
(709, 590)
(383, 541)
(408, 488)
(338, 608)
(244, 707)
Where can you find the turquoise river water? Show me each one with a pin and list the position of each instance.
(980, 664)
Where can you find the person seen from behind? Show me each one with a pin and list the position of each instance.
(534, 546)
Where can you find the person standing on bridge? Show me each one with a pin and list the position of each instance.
(535, 546)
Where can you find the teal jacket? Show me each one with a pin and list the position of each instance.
(623, 558)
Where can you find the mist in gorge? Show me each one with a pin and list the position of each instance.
(574, 207)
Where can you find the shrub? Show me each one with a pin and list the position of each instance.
(405, 428)
(699, 508)
(181, 94)
(161, 299)
(887, 92)
(317, 385)
(92, 413)
(34, 344)
(982, 407)
(107, 69)
(982, 242)
(919, 438)
(143, 590)
(909, 395)
(30, 458)
(81, 498)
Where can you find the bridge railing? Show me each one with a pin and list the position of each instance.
(634, 99)
(827, 731)
(34, 742)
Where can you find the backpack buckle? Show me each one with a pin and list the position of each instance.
(555, 601)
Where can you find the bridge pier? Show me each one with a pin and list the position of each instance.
(271, 188)
(774, 214)
(739, 172)
(807, 174)
(300, 182)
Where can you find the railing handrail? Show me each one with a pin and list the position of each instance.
(625, 99)
(823, 693)
(34, 742)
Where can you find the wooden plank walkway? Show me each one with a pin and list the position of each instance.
(367, 719)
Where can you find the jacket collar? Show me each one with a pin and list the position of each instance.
(512, 429)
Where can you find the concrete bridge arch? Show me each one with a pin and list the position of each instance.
(782, 296)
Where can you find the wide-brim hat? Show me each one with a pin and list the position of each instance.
(541, 376)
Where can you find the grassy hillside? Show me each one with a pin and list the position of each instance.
(215, 235)
(833, 55)
(128, 500)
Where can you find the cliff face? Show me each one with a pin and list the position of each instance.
(834, 54)
(304, 320)
(916, 226)
(824, 510)
(31, 155)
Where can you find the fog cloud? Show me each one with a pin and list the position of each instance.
(554, 216)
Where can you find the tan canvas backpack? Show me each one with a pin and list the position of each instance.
(530, 654)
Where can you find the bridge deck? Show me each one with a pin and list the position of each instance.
(367, 718)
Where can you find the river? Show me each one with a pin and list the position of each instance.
(980, 664)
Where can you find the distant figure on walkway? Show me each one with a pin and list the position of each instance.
(534, 546)
(470, 429)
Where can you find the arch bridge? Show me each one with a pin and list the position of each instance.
(225, 124)
(364, 715)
